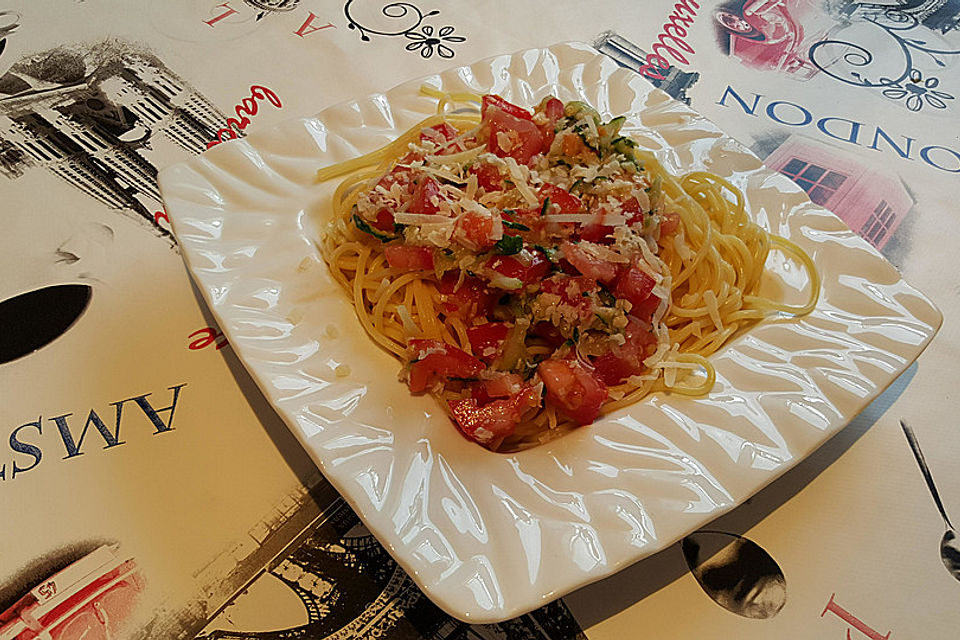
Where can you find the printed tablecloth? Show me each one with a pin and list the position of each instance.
(149, 490)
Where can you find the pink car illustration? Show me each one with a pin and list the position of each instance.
(773, 34)
(780, 35)
(91, 599)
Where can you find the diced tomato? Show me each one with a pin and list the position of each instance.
(527, 266)
(573, 291)
(587, 264)
(409, 257)
(472, 298)
(669, 224)
(512, 136)
(433, 360)
(563, 199)
(487, 339)
(426, 196)
(398, 175)
(646, 309)
(477, 232)
(636, 286)
(527, 216)
(503, 105)
(488, 176)
(501, 385)
(384, 221)
(549, 333)
(631, 209)
(490, 423)
(598, 233)
(573, 388)
(624, 361)
(572, 146)
(553, 111)
(440, 134)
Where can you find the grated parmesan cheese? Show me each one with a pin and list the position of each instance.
(710, 299)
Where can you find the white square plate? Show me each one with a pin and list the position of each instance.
(490, 536)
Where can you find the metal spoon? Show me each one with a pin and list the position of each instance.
(736, 573)
(949, 545)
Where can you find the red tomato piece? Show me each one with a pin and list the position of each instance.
(552, 109)
(409, 257)
(487, 339)
(491, 423)
(398, 175)
(549, 333)
(527, 266)
(471, 299)
(587, 264)
(572, 145)
(433, 360)
(573, 388)
(631, 209)
(669, 224)
(617, 365)
(563, 199)
(476, 231)
(598, 233)
(502, 385)
(494, 100)
(439, 134)
(511, 136)
(636, 286)
(427, 196)
(573, 291)
(646, 309)
(384, 221)
(488, 177)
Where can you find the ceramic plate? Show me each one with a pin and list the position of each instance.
(490, 536)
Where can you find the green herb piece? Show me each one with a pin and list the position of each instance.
(551, 254)
(546, 205)
(364, 226)
(607, 298)
(515, 225)
(509, 245)
(529, 368)
(613, 127)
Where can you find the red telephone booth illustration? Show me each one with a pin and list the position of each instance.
(872, 203)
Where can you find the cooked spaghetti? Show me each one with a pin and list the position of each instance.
(534, 270)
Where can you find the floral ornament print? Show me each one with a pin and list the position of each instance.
(400, 18)
(427, 43)
(916, 92)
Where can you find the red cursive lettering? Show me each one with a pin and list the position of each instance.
(671, 40)
(247, 107)
(206, 337)
(160, 215)
(850, 619)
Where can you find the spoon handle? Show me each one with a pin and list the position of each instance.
(918, 454)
